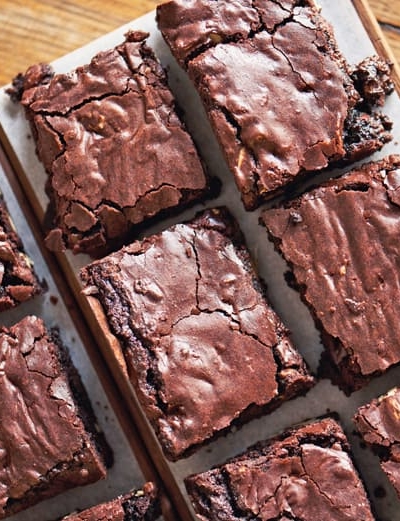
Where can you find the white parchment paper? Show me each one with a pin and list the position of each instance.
(356, 45)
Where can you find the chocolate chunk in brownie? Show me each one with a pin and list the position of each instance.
(378, 422)
(18, 281)
(49, 441)
(137, 505)
(204, 349)
(306, 473)
(278, 92)
(340, 242)
(115, 150)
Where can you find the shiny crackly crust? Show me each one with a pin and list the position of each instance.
(304, 473)
(176, 301)
(111, 141)
(46, 448)
(339, 242)
(378, 422)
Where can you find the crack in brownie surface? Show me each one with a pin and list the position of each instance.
(340, 242)
(113, 146)
(18, 281)
(192, 319)
(276, 89)
(304, 474)
(44, 446)
(378, 422)
(136, 505)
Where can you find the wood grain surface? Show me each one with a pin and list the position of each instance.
(387, 13)
(42, 30)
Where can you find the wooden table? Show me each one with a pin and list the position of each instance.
(42, 30)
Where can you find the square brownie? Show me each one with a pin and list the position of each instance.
(137, 505)
(304, 474)
(18, 282)
(113, 145)
(378, 422)
(281, 98)
(203, 348)
(49, 441)
(340, 242)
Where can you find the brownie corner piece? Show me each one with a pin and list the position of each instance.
(378, 423)
(115, 151)
(281, 98)
(50, 441)
(143, 504)
(195, 327)
(306, 472)
(18, 281)
(339, 241)
(137, 505)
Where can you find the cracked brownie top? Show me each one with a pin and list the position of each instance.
(340, 242)
(44, 445)
(113, 146)
(279, 95)
(18, 281)
(195, 328)
(304, 474)
(378, 422)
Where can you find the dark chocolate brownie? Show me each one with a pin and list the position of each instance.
(278, 93)
(378, 422)
(18, 281)
(203, 348)
(110, 139)
(340, 242)
(304, 474)
(49, 441)
(137, 505)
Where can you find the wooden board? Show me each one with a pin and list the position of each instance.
(34, 31)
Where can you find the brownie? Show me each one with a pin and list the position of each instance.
(114, 148)
(304, 474)
(378, 422)
(281, 98)
(49, 438)
(18, 282)
(137, 505)
(340, 242)
(203, 348)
